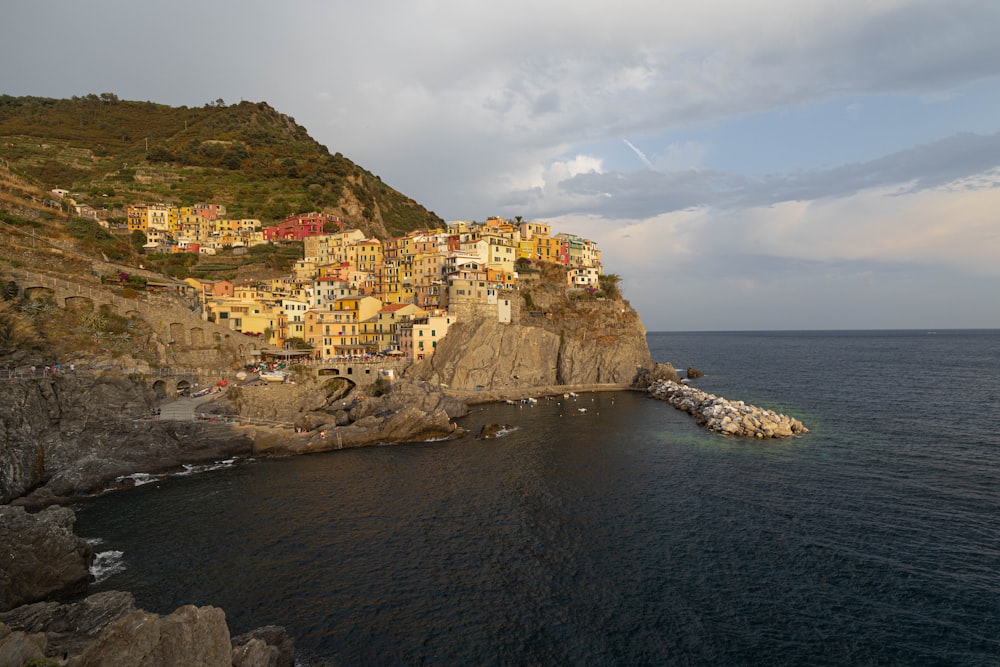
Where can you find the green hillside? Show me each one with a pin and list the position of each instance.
(248, 156)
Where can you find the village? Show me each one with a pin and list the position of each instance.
(352, 296)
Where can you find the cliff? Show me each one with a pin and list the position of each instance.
(69, 435)
(554, 337)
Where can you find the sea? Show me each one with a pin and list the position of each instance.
(610, 529)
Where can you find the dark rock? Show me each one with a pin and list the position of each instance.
(67, 437)
(280, 647)
(70, 628)
(18, 648)
(660, 371)
(693, 373)
(489, 431)
(41, 558)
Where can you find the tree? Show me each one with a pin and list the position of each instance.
(138, 240)
(233, 157)
(297, 343)
(159, 154)
(610, 285)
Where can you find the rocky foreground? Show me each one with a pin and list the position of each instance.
(723, 416)
(43, 564)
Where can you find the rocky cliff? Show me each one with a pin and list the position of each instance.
(69, 435)
(552, 339)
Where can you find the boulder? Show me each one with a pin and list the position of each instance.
(659, 371)
(189, 636)
(693, 373)
(489, 431)
(42, 557)
(18, 648)
(280, 648)
(70, 627)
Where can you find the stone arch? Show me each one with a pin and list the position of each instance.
(328, 371)
(183, 387)
(39, 293)
(197, 337)
(80, 303)
(160, 388)
(178, 333)
(133, 314)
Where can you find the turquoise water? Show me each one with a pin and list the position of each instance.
(625, 534)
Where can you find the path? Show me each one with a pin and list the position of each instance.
(183, 408)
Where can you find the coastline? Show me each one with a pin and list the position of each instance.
(480, 397)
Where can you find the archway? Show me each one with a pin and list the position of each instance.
(79, 303)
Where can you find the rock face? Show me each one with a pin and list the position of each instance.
(41, 556)
(68, 436)
(597, 343)
(189, 636)
(106, 629)
(18, 648)
(722, 416)
(69, 628)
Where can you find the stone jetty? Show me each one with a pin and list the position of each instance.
(723, 416)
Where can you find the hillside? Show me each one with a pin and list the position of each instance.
(248, 156)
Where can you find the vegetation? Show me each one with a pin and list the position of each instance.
(248, 156)
(17, 330)
(611, 285)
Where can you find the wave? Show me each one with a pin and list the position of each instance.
(107, 563)
(141, 478)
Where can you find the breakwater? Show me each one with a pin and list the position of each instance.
(723, 416)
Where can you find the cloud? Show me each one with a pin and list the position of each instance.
(649, 193)
(542, 109)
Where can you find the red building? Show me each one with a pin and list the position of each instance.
(300, 226)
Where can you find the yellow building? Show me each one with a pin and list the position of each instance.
(338, 332)
(427, 332)
(366, 255)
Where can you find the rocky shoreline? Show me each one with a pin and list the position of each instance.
(720, 415)
(44, 569)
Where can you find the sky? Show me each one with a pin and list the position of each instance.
(761, 165)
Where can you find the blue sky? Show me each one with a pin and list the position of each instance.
(776, 164)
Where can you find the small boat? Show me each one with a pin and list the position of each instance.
(273, 376)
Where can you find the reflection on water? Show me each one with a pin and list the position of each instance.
(622, 535)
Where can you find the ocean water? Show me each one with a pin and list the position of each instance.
(609, 529)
